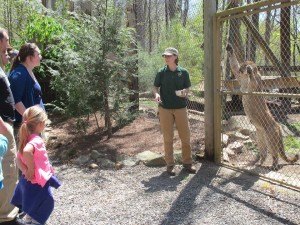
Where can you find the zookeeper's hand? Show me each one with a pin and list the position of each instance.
(184, 92)
(157, 98)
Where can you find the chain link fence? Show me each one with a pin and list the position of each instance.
(260, 122)
(260, 105)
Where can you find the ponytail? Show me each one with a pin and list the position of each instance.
(31, 118)
(23, 137)
(16, 62)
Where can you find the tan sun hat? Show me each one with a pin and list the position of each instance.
(170, 51)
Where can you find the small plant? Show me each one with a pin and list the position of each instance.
(148, 103)
(291, 144)
(81, 124)
(295, 128)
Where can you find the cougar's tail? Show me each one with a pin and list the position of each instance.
(289, 160)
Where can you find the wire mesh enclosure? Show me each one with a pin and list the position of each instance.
(259, 88)
(256, 76)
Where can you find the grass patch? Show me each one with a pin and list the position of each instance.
(291, 144)
(297, 126)
(148, 103)
(294, 127)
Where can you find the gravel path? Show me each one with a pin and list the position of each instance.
(148, 196)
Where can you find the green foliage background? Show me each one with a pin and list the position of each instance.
(88, 59)
(187, 40)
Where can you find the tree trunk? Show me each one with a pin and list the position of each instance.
(167, 15)
(236, 41)
(133, 79)
(285, 40)
(268, 33)
(185, 12)
(157, 22)
(150, 25)
(139, 11)
(172, 9)
(50, 4)
(235, 37)
(251, 44)
(105, 87)
(296, 46)
(285, 53)
(179, 6)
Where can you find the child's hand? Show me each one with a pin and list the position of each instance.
(21, 165)
(29, 175)
(28, 156)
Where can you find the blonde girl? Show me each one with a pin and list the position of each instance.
(33, 194)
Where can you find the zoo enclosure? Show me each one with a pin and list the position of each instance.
(268, 34)
(160, 24)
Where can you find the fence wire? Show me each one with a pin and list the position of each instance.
(261, 111)
(260, 126)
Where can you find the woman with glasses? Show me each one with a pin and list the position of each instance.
(171, 86)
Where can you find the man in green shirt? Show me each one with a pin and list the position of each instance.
(171, 86)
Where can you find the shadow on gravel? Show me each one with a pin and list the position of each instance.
(265, 212)
(165, 182)
(185, 201)
(205, 179)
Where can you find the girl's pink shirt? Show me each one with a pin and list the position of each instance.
(43, 169)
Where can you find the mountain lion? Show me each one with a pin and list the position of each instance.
(268, 132)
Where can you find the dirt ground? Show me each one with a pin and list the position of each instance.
(143, 134)
(144, 195)
(140, 135)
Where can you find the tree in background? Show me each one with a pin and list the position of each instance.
(170, 23)
(86, 56)
(102, 60)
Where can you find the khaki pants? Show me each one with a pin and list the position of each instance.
(10, 172)
(167, 119)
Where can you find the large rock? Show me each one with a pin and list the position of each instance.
(131, 162)
(67, 154)
(84, 159)
(225, 139)
(239, 123)
(151, 159)
(106, 163)
(95, 155)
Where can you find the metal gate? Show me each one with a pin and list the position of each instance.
(255, 124)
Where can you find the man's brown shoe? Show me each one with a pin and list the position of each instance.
(170, 170)
(190, 168)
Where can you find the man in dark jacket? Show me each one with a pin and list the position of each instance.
(8, 212)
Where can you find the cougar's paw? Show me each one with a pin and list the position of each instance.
(249, 69)
(229, 48)
(275, 167)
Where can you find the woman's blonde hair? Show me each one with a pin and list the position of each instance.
(31, 118)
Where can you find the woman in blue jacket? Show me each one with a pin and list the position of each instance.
(23, 83)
